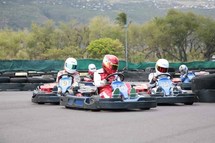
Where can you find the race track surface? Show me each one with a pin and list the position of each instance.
(22, 121)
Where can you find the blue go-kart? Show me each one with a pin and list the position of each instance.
(85, 96)
(168, 92)
(186, 81)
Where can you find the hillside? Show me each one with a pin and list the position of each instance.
(21, 13)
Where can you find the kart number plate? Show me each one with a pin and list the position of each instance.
(65, 83)
(165, 84)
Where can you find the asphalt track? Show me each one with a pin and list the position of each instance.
(22, 121)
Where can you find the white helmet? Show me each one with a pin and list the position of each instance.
(183, 69)
(92, 68)
(162, 66)
(70, 65)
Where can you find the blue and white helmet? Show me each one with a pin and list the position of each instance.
(183, 69)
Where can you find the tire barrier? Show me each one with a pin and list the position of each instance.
(40, 80)
(206, 95)
(18, 80)
(138, 76)
(152, 69)
(203, 82)
(18, 86)
(4, 79)
(204, 88)
(24, 81)
(29, 80)
(8, 74)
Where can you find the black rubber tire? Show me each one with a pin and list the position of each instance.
(203, 82)
(18, 80)
(29, 86)
(40, 80)
(150, 69)
(4, 79)
(9, 74)
(171, 70)
(135, 76)
(10, 86)
(206, 95)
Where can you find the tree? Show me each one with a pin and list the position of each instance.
(41, 39)
(98, 48)
(173, 36)
(206, 33)
(99, 27)
(121, 19)
(13, 44)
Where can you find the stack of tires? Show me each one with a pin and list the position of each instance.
(24, 81)
(204, 88)
(137, 76)
(171, 71)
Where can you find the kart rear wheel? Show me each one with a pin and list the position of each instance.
(40, 103)
(145, 108)
(188, 103)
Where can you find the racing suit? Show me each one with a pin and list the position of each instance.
(153, 79)
(76, 78)
(104, 88)
(184, 77)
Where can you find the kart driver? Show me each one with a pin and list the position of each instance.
(91, 70)
(109, 66)
(183, 69)
(161, 67)
(70, 67)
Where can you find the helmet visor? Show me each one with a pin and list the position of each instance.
(71, 66)
(92, 69)
(162, 70)
(114, 67)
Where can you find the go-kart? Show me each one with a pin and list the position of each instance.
(46, 93)
(167, 91)
(86, 97)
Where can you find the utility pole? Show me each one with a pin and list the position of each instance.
(126, 45)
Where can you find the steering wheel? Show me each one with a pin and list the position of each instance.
(164, 74)
(120, 75)
(65, 74)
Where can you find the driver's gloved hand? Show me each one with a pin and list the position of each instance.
(59, 90)
(154, 79)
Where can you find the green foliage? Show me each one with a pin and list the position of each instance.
(177, 37)
(13, 44)
(206, 33)
(174, 37)
(121, 19)
(98, 48)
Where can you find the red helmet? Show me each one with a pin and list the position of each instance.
(110, 64)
